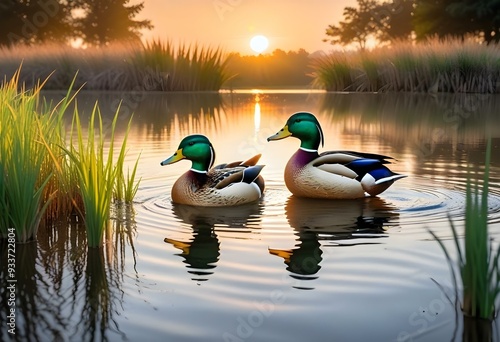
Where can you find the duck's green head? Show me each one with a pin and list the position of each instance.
(304, 126)
(196, 148)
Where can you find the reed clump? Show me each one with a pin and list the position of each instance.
(478, 260)
(453, 66)
(25, 124)
(185, 68)
(100, 175)
(155, 66)
(45, 176)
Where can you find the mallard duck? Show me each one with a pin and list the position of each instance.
(224, 185)
(331, 174)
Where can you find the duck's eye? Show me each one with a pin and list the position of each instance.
(191, 143)
(298, 120)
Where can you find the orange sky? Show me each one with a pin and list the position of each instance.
(289, 24)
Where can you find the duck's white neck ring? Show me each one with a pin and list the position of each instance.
(198, 171)
(307, 149)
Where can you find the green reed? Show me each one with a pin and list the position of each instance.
(432, 66)
(99, 174)
(44, 177)
(125, 186)
(478, 261)
(23, 156)
(63, 184)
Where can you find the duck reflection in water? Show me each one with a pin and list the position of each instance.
(343, 222)
(201, 252)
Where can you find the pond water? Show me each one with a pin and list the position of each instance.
(283, 269)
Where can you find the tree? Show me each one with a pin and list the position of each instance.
(97, 22)
(398, 19)
(30, 21)
(105, 21)
(432, 18)
(394, 20)
(483, 17)
(358, 26)
(458, 18)
(386, 22)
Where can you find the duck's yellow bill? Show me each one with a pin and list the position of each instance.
(174, 158)
(282, 134)
(183, 246)
(284, 253)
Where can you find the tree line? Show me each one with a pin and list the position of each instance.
(94, 22)
(278, 69)
(390, 21)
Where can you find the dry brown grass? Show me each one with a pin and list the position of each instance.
(157, 66)
(435, 66)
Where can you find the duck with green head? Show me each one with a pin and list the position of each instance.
(224, 185)
(331, 174)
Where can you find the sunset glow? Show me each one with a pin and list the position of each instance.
(259, 43)
(231, 24)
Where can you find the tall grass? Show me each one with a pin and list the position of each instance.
(42, 178)
(478, 261)
(156, 66)
(66, 197)
(99, 174)
(333, 72)
(126, 186)
(24, 175)
(434, 66)
(187, 68)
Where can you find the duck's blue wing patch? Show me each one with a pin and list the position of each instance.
(372, 166)
(364, 164)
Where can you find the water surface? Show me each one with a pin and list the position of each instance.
(283, 269)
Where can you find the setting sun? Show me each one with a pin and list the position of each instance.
(259, 43)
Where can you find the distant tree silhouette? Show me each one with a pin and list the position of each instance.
(27, 22)
(385, 21)
(432, 18)
(96, 22)
(358, 26)
(458, 18)
(105, 21)
(394, 20)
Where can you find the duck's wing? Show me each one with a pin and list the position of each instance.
(334, 162)
(221, 178)
(228, 165)
(338, 169)
(343, 156)
(349, 163)
(249, 162)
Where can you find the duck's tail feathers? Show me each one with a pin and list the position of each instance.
(252, 161)
(392, 178)
(377, 181)
(251, 173)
